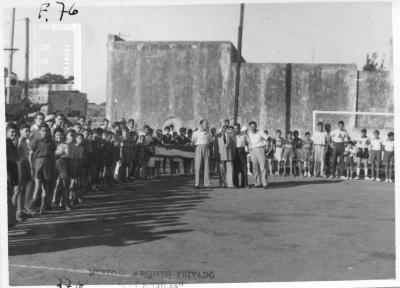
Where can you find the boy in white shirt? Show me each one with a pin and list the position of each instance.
(388, 156)
(349, 153)
(376, 156)
(362, 154)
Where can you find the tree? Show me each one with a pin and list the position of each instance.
(372, 63)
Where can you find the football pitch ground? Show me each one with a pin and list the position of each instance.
(164, 231)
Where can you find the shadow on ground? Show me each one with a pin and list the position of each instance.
(126, 214)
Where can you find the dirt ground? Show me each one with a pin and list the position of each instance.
(164, 231)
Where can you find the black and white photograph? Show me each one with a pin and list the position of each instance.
(171, 144)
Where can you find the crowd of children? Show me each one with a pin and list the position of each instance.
(52, 163)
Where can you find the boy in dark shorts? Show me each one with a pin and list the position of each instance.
(307, 154)
(43, 158)
(24, 168)
(12, 172)
(96, 159)
(78, 157)
(288, 153)
(297, 153)
(349, 153)
(63, 168)
(388, 156)
(362, 155)
(125, 155)
(278, 150)
(269, 153)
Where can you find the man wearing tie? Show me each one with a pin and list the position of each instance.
(201, 138)
(226, 148)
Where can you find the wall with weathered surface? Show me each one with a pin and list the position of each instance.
(375, 94)
(152, 82)
(321, 87)
(262, 95)
(182, 82)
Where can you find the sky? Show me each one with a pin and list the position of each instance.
(273, 32)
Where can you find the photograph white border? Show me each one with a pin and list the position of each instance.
(4, 276)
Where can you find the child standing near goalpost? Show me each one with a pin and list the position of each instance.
(307, 151)
(388, 156)
(362, 154)
(375, 159)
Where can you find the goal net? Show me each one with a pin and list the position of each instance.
(355, 121)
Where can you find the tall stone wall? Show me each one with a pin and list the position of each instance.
(182, 82)
(375, 94)
(329, 87)
(262, 95)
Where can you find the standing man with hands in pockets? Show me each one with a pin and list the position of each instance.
(256, 142)
(201, 139)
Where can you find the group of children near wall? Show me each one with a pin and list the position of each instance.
(298, 155)
(51, 164)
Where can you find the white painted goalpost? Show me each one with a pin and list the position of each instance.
(352, 121)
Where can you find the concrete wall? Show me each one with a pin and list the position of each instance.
(321, 87)
(182, 82)
(375, 94)
(262, 95)
(153, 82)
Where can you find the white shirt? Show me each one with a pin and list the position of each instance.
(320, 138)
(363, 142)
(256, 140)
(376, 144)
(240, 140)
(389, 145)
(339, 136)
(201, 137)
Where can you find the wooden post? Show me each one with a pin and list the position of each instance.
(26, 57)
(238, 64)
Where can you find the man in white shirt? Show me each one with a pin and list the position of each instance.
(201, 139)
(256, 141)
(338, 138)
(320, 139)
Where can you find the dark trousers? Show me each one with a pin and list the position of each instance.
(240, 166)
(338, 151)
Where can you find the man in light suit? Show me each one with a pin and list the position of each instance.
(226, 146)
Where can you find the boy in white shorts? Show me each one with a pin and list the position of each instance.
(388, 156)
(376, 156)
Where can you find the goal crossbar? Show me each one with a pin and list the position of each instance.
(348, 113)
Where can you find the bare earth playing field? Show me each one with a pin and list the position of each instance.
(298, 230)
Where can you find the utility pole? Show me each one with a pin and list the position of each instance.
(26, 57)
(10, 59)
(238, 64)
